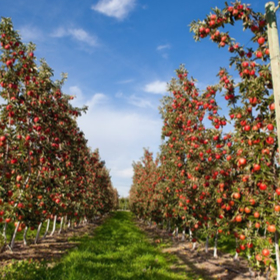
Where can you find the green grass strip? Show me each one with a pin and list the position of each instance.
(117, 251)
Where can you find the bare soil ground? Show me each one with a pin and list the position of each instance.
(204, 264)
(49, 249)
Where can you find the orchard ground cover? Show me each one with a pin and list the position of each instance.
(117, 250)
(197, 261)
(35, 258)
(51, 248)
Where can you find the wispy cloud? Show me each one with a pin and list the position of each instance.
(120, 136)
(75, 90)
(80, 99)
(114, 8)
(59, 32)
(156, 87)
(77, 34)
(137, 101)
(98, 98)
(140, 102)
(30, 33)
(163, 47)
(83, 36)
(124, 173)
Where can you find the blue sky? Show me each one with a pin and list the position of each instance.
(119, 56)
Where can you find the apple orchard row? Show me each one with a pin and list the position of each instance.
(217, 172)
(47, 169)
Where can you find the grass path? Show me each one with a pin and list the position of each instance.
(118, 250)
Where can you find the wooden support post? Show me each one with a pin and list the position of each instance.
(273, 43)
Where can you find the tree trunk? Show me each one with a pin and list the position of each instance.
(276, 244)
(54, 225)
(12, 243)
(207, 244)
(252, 273)
(24, 236)
(38, 233)
(184, 234)
(2, 248)
(5, 232)
(216, 246)
(267, 274)
(190, 234)
(193, 245)
(61, 224)
(236, 258)
(47, 229)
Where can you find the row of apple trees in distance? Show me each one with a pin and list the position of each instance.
(218, 174)
(47, 170)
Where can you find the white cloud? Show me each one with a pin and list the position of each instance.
(157, 87)
(162, 47)
(114, 8)
(120, 136)
(30, 33)
(123, 173)
(79, 98)
(83, 36)
(139, 102)
(75, 90)
(98, 98)
(78, 34)
(59, 32)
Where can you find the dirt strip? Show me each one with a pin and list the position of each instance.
(204, 264)
(49, 249)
